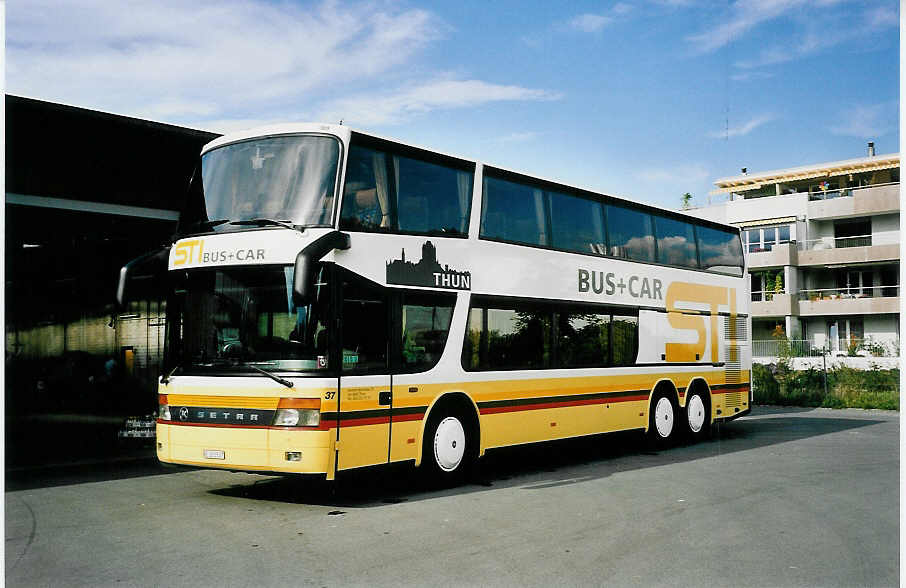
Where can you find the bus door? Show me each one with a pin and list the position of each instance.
(365, 394)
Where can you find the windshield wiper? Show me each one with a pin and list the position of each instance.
(272, 376)
(166, 379)
(206, 224)
(263, 222)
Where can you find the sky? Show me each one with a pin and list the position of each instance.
(645, 99)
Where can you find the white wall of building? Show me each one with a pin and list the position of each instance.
(885, 229)
(716, 212)
(881, 327)
(740, 211)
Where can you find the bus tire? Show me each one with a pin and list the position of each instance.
(697, 413)
(662, 419)
(449, 448)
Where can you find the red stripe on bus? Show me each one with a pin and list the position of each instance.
(565, 403)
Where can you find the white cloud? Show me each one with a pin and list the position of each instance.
(751, 75)
(867, 121)
(813, 20)
(744, 16)
(882, 17)
(743, 129)
(590, 23)
(394, 107)
(228, 61)
(230, 64)
(675, 3)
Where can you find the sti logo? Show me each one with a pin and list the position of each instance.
(193, 252)
(185, 252)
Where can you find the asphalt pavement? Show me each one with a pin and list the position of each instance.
(785, 497)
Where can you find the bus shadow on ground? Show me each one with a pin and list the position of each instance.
(544, 465)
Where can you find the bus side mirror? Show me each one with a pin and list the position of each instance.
(142, 271)
(303, 277)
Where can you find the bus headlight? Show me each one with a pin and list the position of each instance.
(164, 412)
(297, 417)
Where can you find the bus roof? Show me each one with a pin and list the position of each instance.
(345, 133)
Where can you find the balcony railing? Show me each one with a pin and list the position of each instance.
(843, 192)
(798, 348)
(849, 293)
(762, 247)
(852, 347)
(831, 194)
(766, 295)
(835, 243)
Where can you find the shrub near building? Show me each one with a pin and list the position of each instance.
(846, 387)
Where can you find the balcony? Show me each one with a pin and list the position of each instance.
(839, 301)
(772, 304)
(774, 255)
(845, 250)
(849, 202)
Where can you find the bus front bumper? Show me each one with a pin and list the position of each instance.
(245, 449)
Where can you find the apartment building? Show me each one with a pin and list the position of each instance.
(822, 245)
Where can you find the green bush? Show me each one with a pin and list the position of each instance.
(846, 387)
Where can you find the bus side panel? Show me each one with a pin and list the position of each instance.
(529, 410)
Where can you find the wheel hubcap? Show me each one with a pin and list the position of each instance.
(696, 411)
(449, 444)
(663, 417)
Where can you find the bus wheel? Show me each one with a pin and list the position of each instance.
(662, 423)
(448, 448)
(697, 421)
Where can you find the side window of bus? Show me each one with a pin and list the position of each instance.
(583, 338)
(425, 324)
(507, 338)
(719, 251)
(432, 199)
(513, 212)
(388, 192)
(625, 340)
(365, 332)
(675, 242)
(366, 195)
(630, 234)
(577, 224)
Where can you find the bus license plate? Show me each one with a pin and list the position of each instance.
(214, 454)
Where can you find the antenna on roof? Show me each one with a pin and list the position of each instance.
(341, 122)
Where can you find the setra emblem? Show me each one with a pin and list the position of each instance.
(183, 413)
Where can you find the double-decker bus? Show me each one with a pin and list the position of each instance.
(337, 300)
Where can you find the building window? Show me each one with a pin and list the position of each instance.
(765, 238)
(852, 233)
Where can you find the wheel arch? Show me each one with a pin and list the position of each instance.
(456, 398)
(698, 382)
(665, 384)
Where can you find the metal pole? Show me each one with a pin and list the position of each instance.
(824, 361)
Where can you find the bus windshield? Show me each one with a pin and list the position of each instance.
(289, 178)
(240, 319)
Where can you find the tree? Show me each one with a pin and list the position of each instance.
(784, 373)
(687, 200)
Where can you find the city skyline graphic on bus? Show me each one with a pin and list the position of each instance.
(427, 272)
